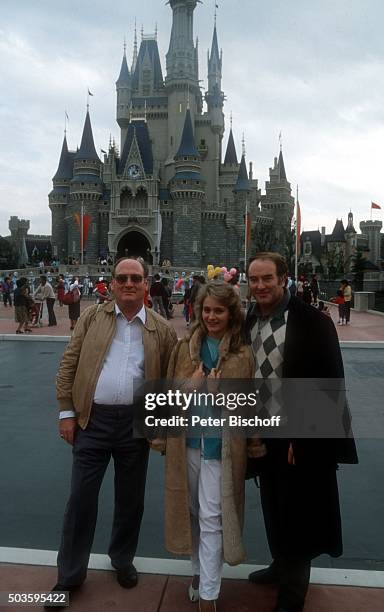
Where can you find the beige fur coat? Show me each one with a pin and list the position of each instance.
(178, 538)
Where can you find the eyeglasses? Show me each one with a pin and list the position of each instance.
(121, 279)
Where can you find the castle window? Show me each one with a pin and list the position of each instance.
(185, 210)
(194, 246)
(94, 228)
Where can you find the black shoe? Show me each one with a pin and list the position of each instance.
(127, 576)
(269, 575)
(55, 603)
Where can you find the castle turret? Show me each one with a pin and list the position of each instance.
(124, 93)
(86, 191)
(187, 191)
(59, 199)
(182, 80)
(371, 229)
(231, 155)
(279, 202)
(214, 96)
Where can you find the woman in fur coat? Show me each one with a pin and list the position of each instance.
(204, 480)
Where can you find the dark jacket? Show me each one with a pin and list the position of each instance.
(311, 350)
(301, 502)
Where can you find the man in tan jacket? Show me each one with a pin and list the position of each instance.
(113, 344)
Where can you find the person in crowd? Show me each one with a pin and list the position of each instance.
(339, 300)
(7, 288)
(307, 292)
(158, 295)
(196, 284)
(201, 518)
(44, 292)
(187, 303)
(167, 300)
(113, 344)
(315, 289)
(323, 308)
(298, 484)
(346, 288)
(291, 285)
(74, 308)
(90, 288)
(60, 287)
(21, 306)
(101, 291)
(300, 287)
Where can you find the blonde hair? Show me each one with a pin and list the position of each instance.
(228, 297)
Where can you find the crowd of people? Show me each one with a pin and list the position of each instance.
(120, 340)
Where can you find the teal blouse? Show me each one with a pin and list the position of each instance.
(209, 355)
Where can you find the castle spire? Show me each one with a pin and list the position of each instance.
(281, 167)
(242, 179)
(124, 76)
(134, 58)
(87, 148)
(187, 146)
(214, 95)
(230, 155)
(65, 167)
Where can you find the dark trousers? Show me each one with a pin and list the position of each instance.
(51, 312)
(108, 434)
(347, 310)
(277, 488)
(7, 299)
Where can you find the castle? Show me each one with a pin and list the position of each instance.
(169, 191)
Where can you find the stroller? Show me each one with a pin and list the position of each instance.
(35, 310)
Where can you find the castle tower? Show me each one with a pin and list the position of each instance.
(19, 230)
(279, 201)
(351, 243)
(242, 192)
(123, 101)
(182, 80)
(372, 230)
(59, 200)
(86, 189)
(214, 96)
(187, 192)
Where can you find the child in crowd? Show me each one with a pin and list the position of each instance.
(339, 299)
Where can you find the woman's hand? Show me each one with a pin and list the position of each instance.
(196, 381)
(213, 380)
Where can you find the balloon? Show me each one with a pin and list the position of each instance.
(210, 267)
(217, 271)
(179, 283)
(233, 271)
(224, 270)
(211, 273)
(227, 277)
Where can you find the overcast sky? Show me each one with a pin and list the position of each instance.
(314, 70)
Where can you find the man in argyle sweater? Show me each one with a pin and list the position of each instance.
(298, 485)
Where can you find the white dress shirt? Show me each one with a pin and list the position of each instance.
(123, 363)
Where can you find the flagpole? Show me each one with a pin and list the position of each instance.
(296, 237)
(246, 233)
(82, 233)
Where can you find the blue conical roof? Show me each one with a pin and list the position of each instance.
(230, 155)
(282, 174)
(124, 76)
(242, 179)
(87, 148)
(187, 146)
(65, 169)
(215, 45)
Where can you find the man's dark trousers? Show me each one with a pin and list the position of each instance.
(51, 312)
(108, 434)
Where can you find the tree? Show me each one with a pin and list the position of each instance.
(8, 254)
(358, 268)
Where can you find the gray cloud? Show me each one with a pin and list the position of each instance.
(313, 70)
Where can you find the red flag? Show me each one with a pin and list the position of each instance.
(86, 222)
(298, 228)
(373, 205)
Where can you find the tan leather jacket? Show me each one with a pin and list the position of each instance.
(83, 359)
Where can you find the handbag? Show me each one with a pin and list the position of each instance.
(71, 297)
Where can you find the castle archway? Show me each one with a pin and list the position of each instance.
(134, 244)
